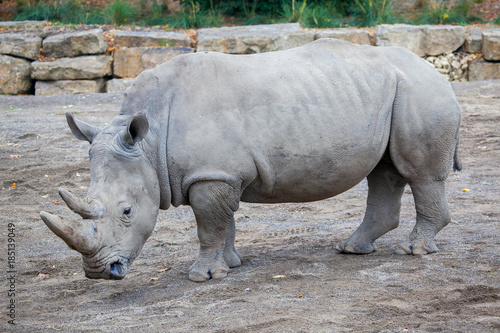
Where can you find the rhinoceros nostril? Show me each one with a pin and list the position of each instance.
(117, 271)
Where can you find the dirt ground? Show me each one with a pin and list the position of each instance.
(291, 280)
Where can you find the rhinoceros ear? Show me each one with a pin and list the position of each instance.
(137, 128)
(81, 130)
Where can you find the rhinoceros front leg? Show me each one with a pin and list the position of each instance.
(432, 216)
(214, 204)
(231, 255)
(385, 189)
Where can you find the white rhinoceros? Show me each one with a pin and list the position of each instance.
(210, 130)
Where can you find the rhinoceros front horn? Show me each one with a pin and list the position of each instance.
(89, 209)
(79, 235)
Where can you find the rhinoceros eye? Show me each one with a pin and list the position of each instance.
(127, 211)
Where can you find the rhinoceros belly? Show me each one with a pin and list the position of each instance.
(315, 157)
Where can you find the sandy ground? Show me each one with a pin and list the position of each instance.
(456, 289)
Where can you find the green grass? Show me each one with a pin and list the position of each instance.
(321, 17)
(497, 20)
(193, 15)
(442, 12)
(120, 12)
(213, 13)
(60, 11)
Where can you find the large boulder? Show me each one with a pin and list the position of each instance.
(442, 39)
(473, 39)
(75, 43)
(491, 45)
(130, 62)
(69, 87)
(423, 40)
(80, 68)
(253, 39)
(118, 85)
(20, 45)
(357, 36)
(152, 39)
(484, 70)
(22, 24)
(14, 75)
(408, 36)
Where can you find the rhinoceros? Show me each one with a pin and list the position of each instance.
(210, 130)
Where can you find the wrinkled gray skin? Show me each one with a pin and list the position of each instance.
(210, 130)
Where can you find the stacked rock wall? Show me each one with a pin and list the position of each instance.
(17, 50)
(137, 51)
(438, 45)
(77, 63)
(37, 58)
(489, 66)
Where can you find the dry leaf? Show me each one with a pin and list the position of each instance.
(153, 279)
(15, 156)
(163, 270)
(41, 275)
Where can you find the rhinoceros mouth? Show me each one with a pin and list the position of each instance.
(114, 269)
(117, 271)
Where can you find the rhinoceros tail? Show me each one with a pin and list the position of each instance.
(457, 163)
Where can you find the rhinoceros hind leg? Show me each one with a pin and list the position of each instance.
(432, 216)
(213, 204)
(418, 246)
(385, 188)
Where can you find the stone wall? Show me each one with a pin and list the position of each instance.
(38, 58)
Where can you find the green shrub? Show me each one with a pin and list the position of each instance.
(260, 19)
(194, 15)
(245, 8)
(317, 16)
(459, 14)
(69, 11)
(213, 13)
(120, 12)
(373, 12)
(293, 10)
(443, 12)
(156, 14)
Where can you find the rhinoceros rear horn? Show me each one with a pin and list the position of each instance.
(79, 235)
(81, 130)
(87, 209)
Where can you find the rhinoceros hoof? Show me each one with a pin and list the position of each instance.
(232, 257)
(200, 272)
(419, 246)
(356, 248)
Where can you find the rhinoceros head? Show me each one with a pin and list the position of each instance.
(121, 207)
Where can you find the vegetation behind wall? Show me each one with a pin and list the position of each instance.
(213, 13)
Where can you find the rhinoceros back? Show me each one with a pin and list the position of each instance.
(296, 125)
